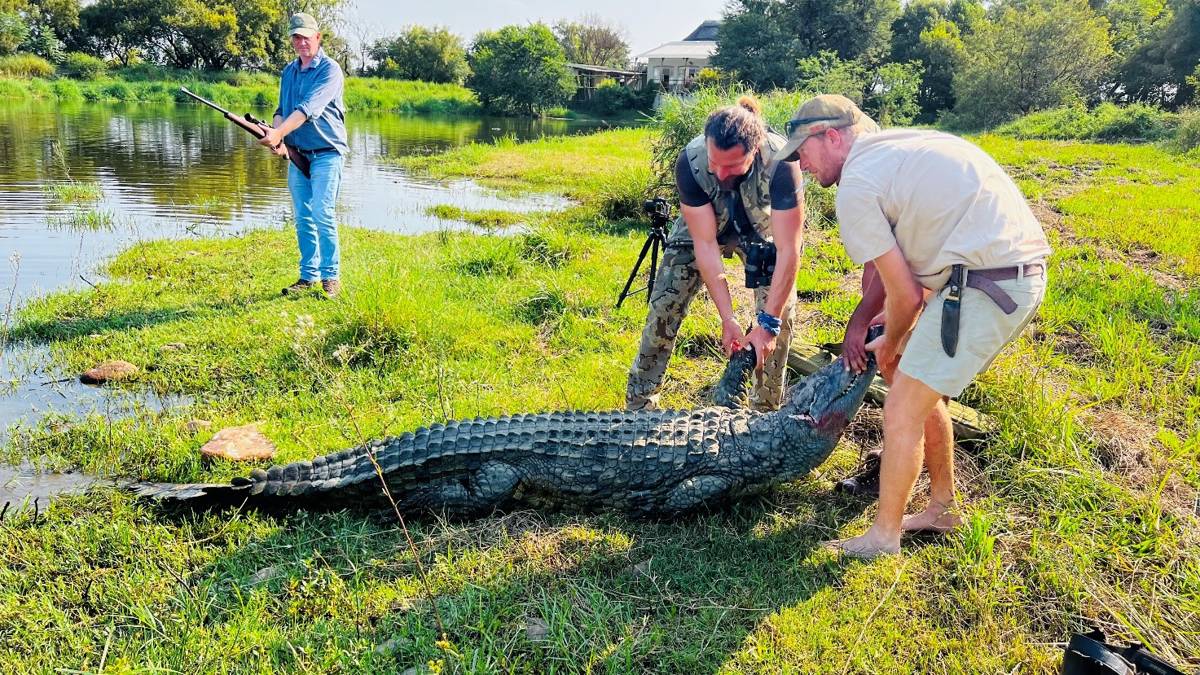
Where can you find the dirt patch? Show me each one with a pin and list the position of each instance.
(1075, 346)
(1122, 443)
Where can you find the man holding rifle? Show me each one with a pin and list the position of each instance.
(311, 119)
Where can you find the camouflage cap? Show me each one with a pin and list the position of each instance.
(827, 111)
(303, 24)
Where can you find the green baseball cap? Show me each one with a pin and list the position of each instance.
(827, 111)
(304, 24)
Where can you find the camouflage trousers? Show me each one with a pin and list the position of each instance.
(676, 283)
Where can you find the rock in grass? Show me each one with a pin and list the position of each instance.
(536, 629)
(263, 576)
(196, 426)
(239, 444)
(109, 371)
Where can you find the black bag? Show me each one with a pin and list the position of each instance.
(1090, 655)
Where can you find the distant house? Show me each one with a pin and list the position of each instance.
(588, 77)
(674, 64)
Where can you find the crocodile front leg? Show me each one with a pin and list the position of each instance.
(697, 490)
(482, 491)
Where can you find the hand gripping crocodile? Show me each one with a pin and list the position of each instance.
(651, 463)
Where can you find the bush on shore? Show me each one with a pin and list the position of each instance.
(1106, 122)
(25, 66)
(154, 84)
(82, 66)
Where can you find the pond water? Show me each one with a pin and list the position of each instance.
(183, 171)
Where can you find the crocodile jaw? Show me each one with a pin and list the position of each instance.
(830, 397)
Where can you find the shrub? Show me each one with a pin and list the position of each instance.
(1136, 121)
(611, 97)
(1108, 122)
(1187, 135)
(66, 90)
(82, 66)
(710, 77)
(25, 65)
(118, 91)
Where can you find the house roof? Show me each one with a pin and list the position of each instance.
(601, 70)
(683, 49)
(699, 44)
(706, 31)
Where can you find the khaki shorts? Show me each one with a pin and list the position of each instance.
(983, 331)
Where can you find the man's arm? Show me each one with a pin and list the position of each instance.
(787, 229)
(902, 304)
(854, 343)
(702, 226)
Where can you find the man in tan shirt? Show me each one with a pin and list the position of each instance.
(961, 260)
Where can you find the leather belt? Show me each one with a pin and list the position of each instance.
(983, 280)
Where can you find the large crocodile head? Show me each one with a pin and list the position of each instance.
(829, 398)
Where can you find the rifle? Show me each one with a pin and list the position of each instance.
(255, 127)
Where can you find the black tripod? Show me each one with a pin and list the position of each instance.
(660, 215)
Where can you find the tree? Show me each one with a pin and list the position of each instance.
(1158, 70)
(888, 92)
(520, 69)
(593, 41)
(47, 22)
(762, 40)
(931, 32)
(754, 46)
(13, 32)
(891, 96)
(121, 29)
(419, 53)
(1032, 55)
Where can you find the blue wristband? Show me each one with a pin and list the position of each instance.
(771, 324)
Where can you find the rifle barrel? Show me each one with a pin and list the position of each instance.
(252, 125)
(206, 102)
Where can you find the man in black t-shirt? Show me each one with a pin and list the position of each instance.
(734, 199)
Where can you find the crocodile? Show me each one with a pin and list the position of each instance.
(654, 463)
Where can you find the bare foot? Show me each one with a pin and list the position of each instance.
(936, 518)
(865, 547)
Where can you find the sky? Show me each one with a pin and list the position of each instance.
(647, 23)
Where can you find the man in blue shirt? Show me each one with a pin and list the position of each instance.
(311, 118)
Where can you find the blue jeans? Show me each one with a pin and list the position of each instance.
(313, 200)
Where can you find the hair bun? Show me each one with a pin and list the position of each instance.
(750, 103)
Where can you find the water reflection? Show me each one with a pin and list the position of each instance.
(183, 171)
(174, 171)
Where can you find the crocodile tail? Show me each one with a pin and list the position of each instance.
(193, 494)
(730, 392)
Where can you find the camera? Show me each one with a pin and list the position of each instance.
(760, 262)
(658, 209)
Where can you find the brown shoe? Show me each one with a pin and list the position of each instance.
(864, 483)
(300, 286)
(331, 287)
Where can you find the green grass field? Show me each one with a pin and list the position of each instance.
(1081, 508)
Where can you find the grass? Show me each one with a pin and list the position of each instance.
(1106, 121)
(488, 219)
(91, 220)
(241, 90)
(1080, 509)
(75, 192)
